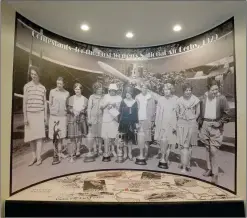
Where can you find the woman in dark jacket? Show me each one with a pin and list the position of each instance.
(128, 119)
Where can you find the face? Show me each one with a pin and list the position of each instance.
(99, 91)
(77, 90)
(112, 92)
(214, 90)
(60, 84)
(128, 96)
(34, 76)
(188, 92)
(144, 89)
(167, 91)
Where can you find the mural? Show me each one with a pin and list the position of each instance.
(79, 107)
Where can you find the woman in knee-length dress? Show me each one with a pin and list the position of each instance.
(35, 114)
(128, 119)
(111, 102)
(58, 114)
(95, 115)
(146, 113)
(188, 111)
(77, 119)
(166, 121)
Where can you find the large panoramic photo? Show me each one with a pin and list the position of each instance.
(81, 108)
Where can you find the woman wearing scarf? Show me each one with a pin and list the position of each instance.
(188, 111)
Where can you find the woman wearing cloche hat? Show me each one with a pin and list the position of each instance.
(110, 106)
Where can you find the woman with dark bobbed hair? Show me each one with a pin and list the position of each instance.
(95, 115)
(77, 120)
(188, 111)
(35, 114)
(128, 120)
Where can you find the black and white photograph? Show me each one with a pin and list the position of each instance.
(79, 108)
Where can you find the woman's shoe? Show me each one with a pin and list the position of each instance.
(39, 162)
(208, 173)
(32, 162)
(100, 152)
(130, 157)
(78, 154)
(71, 160)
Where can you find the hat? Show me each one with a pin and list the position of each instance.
(113, 87)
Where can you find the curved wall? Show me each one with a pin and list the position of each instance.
(195, 60)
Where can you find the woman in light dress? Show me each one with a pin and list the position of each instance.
(95, 115)
(166, 121)
(128, 120)
(146, 113)
(188, 111)
(35, 114)
(77, 120)
(58, 114)
(110, 106)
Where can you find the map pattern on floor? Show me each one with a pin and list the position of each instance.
(124, 186)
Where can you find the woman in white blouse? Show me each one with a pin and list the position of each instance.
(77, 123)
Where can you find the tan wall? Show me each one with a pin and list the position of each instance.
(7, 48)
(240, 50)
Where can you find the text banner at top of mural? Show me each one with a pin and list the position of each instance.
(136, 53)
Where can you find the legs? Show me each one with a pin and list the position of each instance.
(61, 143)
(97, 147)
(146, 147)
(165, 151)
(212, 163)
(72, 149)
(185, 158)
(36, 147)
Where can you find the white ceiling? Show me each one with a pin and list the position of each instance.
(151, 21)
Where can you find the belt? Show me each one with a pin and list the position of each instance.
(210, 120)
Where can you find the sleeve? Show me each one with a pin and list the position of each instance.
(177, 108)
(157, 111)
(50, 99)
(225, 110)
(120, 111)
(69, 107)
(89, 108)
(24, 98)
(84, 110)
(103, 102)
(153, 110)
(135, 112)
(118, 103)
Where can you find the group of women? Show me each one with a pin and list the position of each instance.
(174, 120)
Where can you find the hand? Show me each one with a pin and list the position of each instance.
(137, 126)
(215, 125)
(174, 131)
(45, 120)
(109, 107)
(89, 122)
(26, 121)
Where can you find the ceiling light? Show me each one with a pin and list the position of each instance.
(85, 27)
(177, 28)
(129, 35)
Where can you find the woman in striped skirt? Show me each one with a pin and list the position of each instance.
(77, 120)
